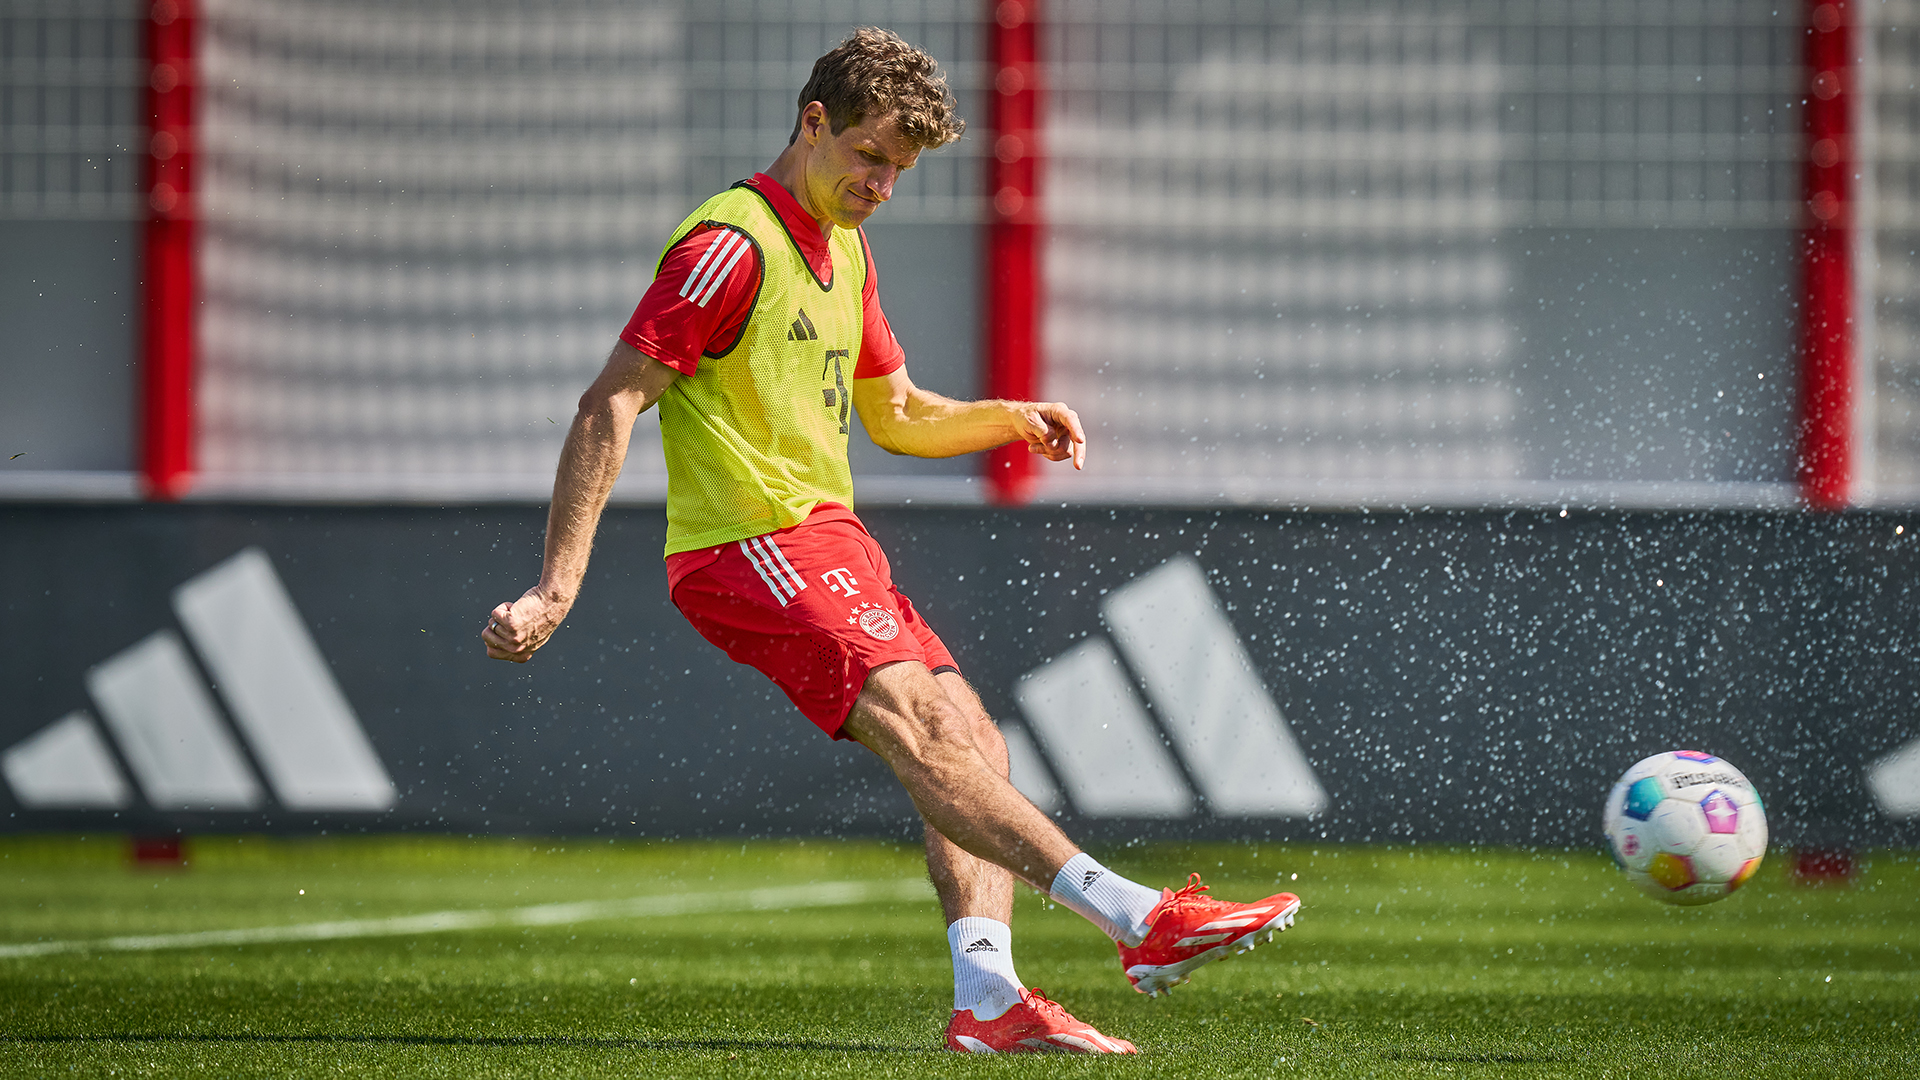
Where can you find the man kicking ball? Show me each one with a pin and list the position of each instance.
(762, 326)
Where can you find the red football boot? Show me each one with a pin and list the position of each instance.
(1036, 1025)
(1188, 929)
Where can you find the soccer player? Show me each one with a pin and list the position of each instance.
(761, 329)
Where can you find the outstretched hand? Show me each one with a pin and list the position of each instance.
(516, 630)
(1053, 431)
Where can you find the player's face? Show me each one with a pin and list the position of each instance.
(850, 174)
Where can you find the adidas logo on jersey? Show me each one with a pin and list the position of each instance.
(983, 945)
(803, 329)
(1092, 876)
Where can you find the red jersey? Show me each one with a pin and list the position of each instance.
(700, 298)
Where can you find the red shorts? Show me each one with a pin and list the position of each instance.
(811, 607)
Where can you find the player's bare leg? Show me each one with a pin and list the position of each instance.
(970, 887)
(993, 1012)
(912, 721)
(907, 717)
(977, 899)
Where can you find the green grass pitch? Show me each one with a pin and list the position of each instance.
(1405, 962)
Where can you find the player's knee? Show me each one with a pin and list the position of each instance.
(991, 744)
(923, 731)
(981, 728)
(912, 731)
(947, 728)
(947, 745)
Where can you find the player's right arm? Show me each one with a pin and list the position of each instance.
(590, 462)
(697, 305)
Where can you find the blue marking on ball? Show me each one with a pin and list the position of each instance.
(1642, 797)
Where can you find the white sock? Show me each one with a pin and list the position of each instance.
(1105, 899)
(983, 978)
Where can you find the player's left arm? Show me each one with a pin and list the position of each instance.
(903, 418)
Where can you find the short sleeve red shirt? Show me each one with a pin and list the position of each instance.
(680, 330)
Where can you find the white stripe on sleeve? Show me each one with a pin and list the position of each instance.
(695, 287)
(720, 278)
(720, 238)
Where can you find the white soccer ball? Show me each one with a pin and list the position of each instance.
(1686, 827)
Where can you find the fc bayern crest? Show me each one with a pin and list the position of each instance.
(877, 621)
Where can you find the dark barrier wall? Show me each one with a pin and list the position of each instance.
(1477, 677)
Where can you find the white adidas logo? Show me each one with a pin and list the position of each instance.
(276, 686)
(1894, 781)
(1106, 748)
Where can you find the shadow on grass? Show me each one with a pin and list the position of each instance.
(552, 1041)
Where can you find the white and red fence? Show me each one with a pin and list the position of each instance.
(1275, 254)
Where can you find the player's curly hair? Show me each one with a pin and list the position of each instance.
(876, 73)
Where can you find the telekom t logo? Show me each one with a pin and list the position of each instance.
(841, 580)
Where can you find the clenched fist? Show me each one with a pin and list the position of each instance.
(516, 630)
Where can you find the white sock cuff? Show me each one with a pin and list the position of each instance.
(973, 930)
(983, 975)
(1117, 906)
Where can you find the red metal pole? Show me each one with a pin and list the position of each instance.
(167, 261)
(1013, 232)
(1827, 390)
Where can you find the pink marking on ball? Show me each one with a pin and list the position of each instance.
(1722, 816)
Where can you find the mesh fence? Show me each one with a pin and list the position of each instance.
(1890, 434)
(425, 222)
(70, 135)
(1277, 268)
(1281, 260)
(420, 221)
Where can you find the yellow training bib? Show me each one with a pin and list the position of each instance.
(757, 437)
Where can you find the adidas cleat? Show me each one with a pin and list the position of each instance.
(1035, 1026)
(1189, 929)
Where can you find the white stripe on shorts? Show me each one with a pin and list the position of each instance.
(792, 574)
(774, 569)
(773, 586)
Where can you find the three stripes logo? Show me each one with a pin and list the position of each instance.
(1087, 727)
(728, 246)
(983, 945)
(168, 725)
(1087, 881)
(803, 328)
(781, 579)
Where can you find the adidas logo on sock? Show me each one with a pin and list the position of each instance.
(802, 329)
(983, 945)
(1092, 876)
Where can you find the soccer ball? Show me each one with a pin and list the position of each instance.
(1686, 827)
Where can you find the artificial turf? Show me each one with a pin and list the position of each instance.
(1405, 962)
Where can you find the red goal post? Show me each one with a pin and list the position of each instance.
(169, 269)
